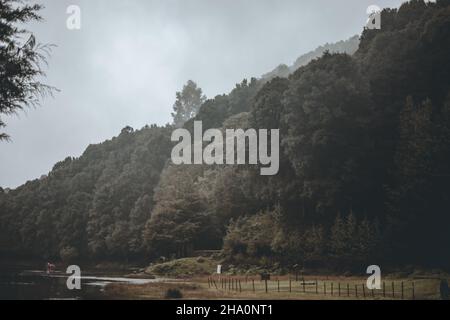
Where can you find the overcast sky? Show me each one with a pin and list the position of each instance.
(130, 57)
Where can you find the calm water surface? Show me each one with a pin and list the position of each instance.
(19, 283)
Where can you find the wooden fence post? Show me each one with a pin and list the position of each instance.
(348, 290)
(332, 288)
(317, 286)
(253, 285)
(339, 289)
(304, 287)
(403, 296)
(384, 289)
(290, 285)
(413, 291)
(393, 289)
(240, 288)
(325, 288)
(278, 285)
(356, 290)
(364, 291)
(266, 285)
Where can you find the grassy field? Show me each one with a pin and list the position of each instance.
(283, 288)
(195, 282)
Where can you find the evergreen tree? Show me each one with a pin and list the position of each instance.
(188, 103)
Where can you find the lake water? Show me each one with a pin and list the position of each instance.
(27, 284)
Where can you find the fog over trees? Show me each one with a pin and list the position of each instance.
(364, 167)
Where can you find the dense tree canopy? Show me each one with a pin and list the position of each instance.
(93, 206)
(364, 168)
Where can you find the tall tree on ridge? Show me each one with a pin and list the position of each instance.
(188, 102)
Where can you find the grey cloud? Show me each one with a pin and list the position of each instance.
(125, 64)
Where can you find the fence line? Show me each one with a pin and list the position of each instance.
(397, 290)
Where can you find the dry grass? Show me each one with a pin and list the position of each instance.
(201, 288)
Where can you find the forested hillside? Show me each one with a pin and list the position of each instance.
(96, 205)
(364, 166)
(364, 169)
(348, 46)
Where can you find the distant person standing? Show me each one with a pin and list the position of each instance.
(50, 267)
(444, 290)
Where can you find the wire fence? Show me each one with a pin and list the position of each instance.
(343, 289)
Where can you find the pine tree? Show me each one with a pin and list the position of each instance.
(187, 104)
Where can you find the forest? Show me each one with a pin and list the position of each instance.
(363, 175)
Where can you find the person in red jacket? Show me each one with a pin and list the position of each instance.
(50, 267)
